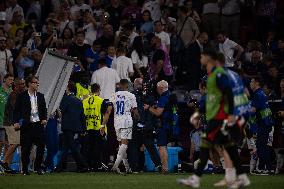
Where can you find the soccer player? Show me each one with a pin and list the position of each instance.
(219, 107)
(124, 104)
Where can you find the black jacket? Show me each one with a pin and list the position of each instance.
(23, 108)
(72, 110)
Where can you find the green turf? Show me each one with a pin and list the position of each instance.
(112, 181)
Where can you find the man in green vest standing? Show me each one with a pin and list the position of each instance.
(219, 113)
(5, 91)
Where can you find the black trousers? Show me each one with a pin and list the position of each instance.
(140, 137)
(32, 134)
(95, 148)
(69, 143)
(215, 136)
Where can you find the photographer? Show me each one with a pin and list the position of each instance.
(162, 111)
(142, 131)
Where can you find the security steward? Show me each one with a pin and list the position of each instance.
(97, 111)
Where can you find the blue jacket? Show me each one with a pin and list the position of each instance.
(263, 112)
(73, 118)
(241, 103)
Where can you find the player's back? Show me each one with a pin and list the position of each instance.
(123, 102)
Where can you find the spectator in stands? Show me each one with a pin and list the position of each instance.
(5, 58)
(165, 38)
(123, 65)
(79, 8)
(230, 20)
(138, 56)
(228, 48)
(107, 38)
(107, 78)
(115, 11)
(78, 49)
(67, 37)
(92, 56)
(191, 12)
(111, 55)
(160, 66)
(23, 62)
(90, 25)
(147, 23)
(17, 23)
(13, 7)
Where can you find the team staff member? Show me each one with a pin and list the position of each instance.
(219, 107)
(30, 107)
(97, 111)
(264, 125)
(162, 112)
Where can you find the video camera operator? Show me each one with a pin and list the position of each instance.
(143, 130)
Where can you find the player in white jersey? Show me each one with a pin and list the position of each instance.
(124, 104)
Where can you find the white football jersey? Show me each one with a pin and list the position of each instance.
(123, 102)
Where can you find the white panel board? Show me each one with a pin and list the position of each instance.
(54, 73)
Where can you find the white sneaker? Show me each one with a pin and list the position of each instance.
(242, 181)
(192, 181)
(221, 183)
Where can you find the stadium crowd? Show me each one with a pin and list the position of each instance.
(151, 48)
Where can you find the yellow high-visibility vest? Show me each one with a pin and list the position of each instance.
(92, 110)
(82, 92)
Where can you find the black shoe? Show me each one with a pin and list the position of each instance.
(82, 170)
(40, 172)
(271, 172)
(259, 172)
(25, 173)
(6, 168)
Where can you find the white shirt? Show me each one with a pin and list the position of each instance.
(90, 34)
(3, 61)
(136, 60)
(123, 66)
(76, 9)
(165, 38)
(228, 49)
(34, 108)
(154, 7)
(10, 11)
(123, 102)
(107, 79)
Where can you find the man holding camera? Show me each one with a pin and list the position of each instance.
(162, 111)
(142, 130)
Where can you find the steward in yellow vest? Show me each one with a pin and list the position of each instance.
(82, 91)
(97, 112)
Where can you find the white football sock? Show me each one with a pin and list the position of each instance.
(230, 175)
(120, 155)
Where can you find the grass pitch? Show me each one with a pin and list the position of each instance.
(113, 181)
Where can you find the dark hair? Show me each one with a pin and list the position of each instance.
(71, 87)
(96, 42)
(67, 28)
(222, 32)
(30, 79)
(211, 53)
(158, 21)
(150, 16)
(121, 50)
(137, 45)
(221, 58)
(7, 76)
(124, 82)
(259, 80)
(183, 9)
(95, 88)
(102, 61)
